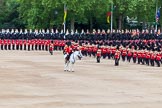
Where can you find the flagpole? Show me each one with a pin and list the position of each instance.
(65, 20)
(111, 17)
(156, 14)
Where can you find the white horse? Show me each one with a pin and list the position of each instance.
(69, 64)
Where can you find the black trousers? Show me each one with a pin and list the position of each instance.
(46, 47)
(134, 59)
(1, 47)
(9, 47)
(98, 59)
(55, 48)
(39, 47)
(24, 47)
(5, 47)
(51, 52)
(20, 47)
(32, 47)
(143, 60)
(109, 55)
(147, 61)
(139, 60)
(116, 62)
(28, 47)
(158, 63)
(104, 55)
(68, 56)
(13, 47)
(112, 56)
(60, 48)
(128, 58)
(94, 54)
(86, 53)
(17, 47)
(42, 47)
(89, 53)
(123, 57)
(152, 62)
(36, 47)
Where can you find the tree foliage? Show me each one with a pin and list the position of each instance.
(87, 14)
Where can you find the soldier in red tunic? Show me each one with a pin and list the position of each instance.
(134, 55)
(117, 57)
(5, 44)
(147, 58)
(21, 44)
(33, 42)
(139, 56)
(56, 45)
(108, 52)
(29, 42)
(68, 51)
(104, 52)
(43, 44)
(124, 53)
(9, 44)
(90, 50)
(94, 51)
(143, 55)
(158, 59)
(36, 44)
(24, 42)
(62, 45)
(98, 55)
(152, 58)
(129, 55)
(46, 45)
(40, 44)
(86, 50)
(51, 47)
(65, 49)
(0, 44)
(113, 50)
(17, 44)
(82, 50)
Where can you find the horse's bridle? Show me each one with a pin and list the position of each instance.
(79, 56)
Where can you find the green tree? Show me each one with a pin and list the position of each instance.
(142, 9)
(9, 15)
(49, 13)
(97, 15)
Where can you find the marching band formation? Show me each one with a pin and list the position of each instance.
(139, 47)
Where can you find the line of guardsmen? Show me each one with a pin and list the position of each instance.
(140, 46)
(137, 54)
(140, 56)
(143, 55)
(34, 44)
(93, 36)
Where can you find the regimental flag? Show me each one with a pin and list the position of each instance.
(108, 17)
(65, 13)
(158, 15)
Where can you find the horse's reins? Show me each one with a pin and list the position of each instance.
(73, 57)
(79, 56)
